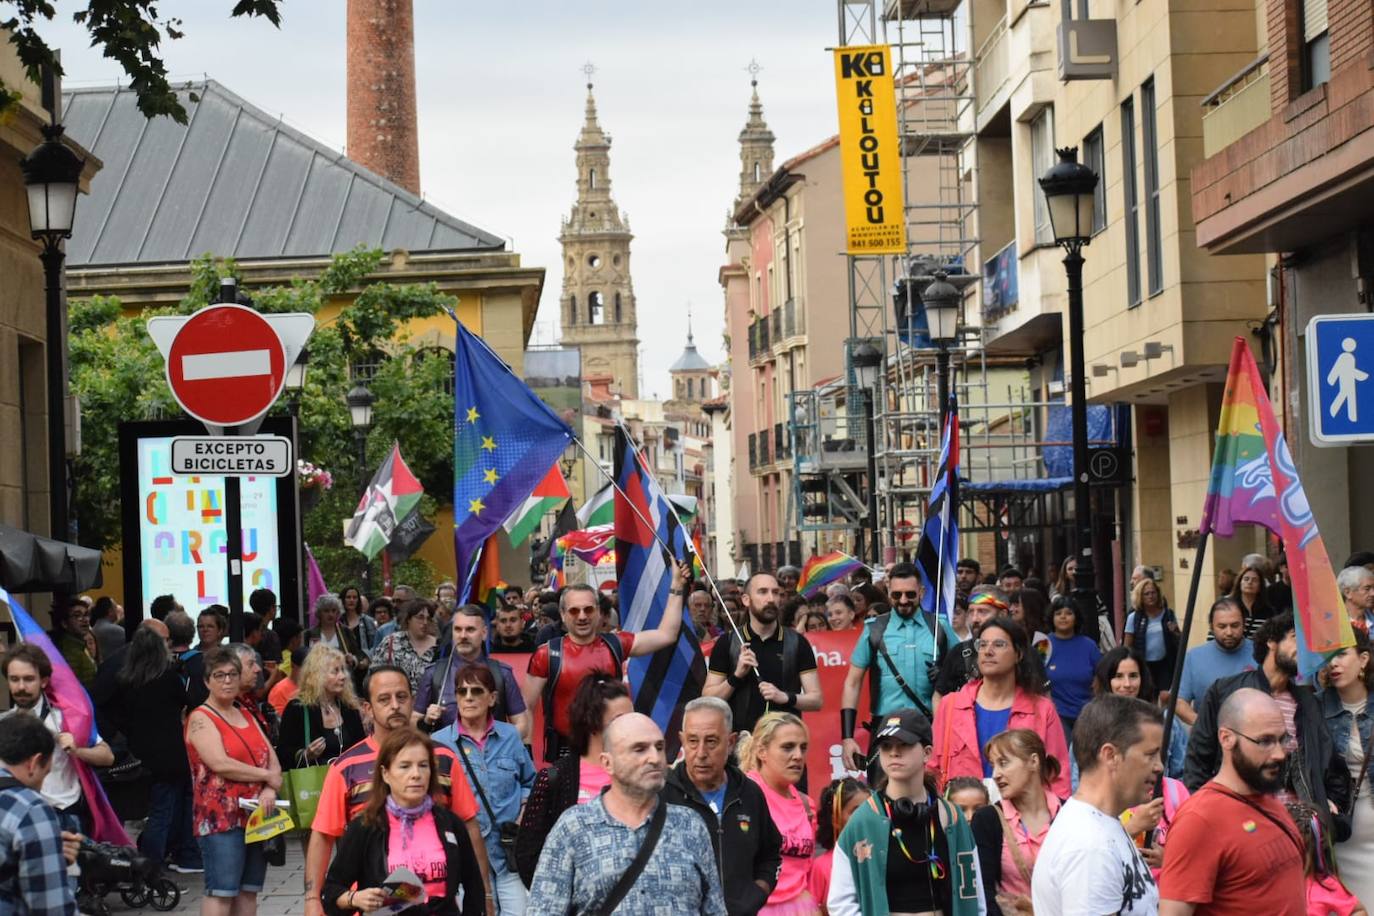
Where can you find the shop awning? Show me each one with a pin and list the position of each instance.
(30, 563)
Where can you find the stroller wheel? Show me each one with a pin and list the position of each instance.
(164, 895)
(134, 897)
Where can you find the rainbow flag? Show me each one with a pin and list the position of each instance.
(822, 571)
(1250, 469)
(78, 718)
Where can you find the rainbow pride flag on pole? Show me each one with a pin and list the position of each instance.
(1254, 481)
(822, 571)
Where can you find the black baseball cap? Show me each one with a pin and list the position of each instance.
(907, 726)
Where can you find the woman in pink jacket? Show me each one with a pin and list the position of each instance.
(1007, 695)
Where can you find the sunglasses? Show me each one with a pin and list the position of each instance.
(912, 595)
(469, 691)
(583, 611)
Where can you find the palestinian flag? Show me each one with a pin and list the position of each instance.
(390, 497)
(599, 510)
(547, 495)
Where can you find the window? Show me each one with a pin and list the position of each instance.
(758, 172)
(1095, 158)
(1132, 195)
(1042, 160)
(597, 307)
(1316, 44)
(572, 309)
(617, 308)
(591, 180)
(1154, 252)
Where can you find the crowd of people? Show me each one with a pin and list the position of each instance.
(1013, 759)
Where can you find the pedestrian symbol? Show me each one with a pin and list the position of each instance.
(1340, 357)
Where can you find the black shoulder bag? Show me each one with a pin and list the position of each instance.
(506, 831)
(627, 880)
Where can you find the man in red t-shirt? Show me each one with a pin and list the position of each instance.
(349, 783)
(584, 650)
(1232, 848)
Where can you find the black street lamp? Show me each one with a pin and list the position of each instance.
(1069, 191)
(942, 301)
(360, 401)
(52, 177)
(868, 362)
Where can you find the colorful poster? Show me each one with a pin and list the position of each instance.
(182, 535)
(870, 158)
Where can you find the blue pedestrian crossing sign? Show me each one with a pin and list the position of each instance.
(1340, 379)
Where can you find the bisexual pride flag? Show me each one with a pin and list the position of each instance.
(1254, 481)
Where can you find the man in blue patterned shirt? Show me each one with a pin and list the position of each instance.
(34, 851)
(592, 845)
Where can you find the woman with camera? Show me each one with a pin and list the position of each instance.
(501, 773)
(403, 827)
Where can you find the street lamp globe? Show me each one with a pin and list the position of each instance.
(52, 176)
(295, 375)
(1069, 188)
(942, 300)
(868, 361)
(360, 402)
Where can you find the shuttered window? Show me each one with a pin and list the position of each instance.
(1313, 18)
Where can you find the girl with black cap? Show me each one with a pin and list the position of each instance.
(906, 851)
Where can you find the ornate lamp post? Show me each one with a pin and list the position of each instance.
(868, 363)
(360, 401)
(943, 303)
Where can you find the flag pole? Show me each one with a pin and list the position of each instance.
(596, 462)
(939, 586)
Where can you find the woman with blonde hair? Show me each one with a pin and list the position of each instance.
(1153, 631)
(1010, 833)
(774, 756)
(322, 720)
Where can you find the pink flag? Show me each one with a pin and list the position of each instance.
(314, 584)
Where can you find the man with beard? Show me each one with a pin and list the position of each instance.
(1314, 772)
(435, 702)
(1227, 653)
(898, 652)
(774, 671)
(1232, 846)
(28, 672)
(585, 865)
(967, 572)
(1088, 865)
(347, 786)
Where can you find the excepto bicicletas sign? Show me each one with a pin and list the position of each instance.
(870, 155)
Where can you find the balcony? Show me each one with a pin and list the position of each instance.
(760, 340)
(782, 447)
(765, 450)
(1238, 107)
(993, 71)
(753, 451)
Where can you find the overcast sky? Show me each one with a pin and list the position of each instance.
(500, 102)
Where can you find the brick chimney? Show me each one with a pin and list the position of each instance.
(383, 130)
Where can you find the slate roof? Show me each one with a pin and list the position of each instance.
(236, 182)
(690, 360)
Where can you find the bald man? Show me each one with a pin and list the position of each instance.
(1233, 844)
(592, 845)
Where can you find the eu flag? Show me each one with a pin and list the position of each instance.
(504, 441)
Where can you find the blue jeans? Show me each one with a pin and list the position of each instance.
(168, 828)
(510, 891)
(232, 867)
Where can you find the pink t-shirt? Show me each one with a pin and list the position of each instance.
(1328, 897)
(794, 820)
(424, 854)
(591, 780)
(819, 881)
(1027, 843)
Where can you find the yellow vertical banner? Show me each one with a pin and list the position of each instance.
(870, 157)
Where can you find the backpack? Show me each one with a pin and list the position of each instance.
(790, 644)
(878, 652)
(555, 645)
(440, 675)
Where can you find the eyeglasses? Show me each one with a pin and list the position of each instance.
(998, 644)
(469, 691)
(898, 595)
(1268, 742)
(224, 676)
(583, 611)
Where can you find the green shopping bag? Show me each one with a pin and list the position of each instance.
(303, 785)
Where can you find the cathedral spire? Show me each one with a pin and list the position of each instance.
(755, 142)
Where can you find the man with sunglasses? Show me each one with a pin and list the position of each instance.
(899, 653)
(1314, 773)
(559, 665)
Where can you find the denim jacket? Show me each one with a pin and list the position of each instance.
(1338, 724)
(505, 773)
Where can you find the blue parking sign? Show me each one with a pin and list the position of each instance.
(1340, 379)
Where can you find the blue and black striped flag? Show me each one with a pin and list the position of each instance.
(664, 682)
(938, 553)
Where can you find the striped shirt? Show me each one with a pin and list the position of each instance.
(33, 872)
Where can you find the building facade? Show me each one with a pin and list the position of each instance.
(598, 301)
(1289, 175)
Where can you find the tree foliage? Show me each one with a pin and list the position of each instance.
(127, 31)
(118, 374)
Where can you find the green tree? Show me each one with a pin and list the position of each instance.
(127, 31)
(118, 374)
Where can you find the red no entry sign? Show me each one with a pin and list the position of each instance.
(226, 365)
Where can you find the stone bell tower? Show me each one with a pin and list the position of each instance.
(598, 300)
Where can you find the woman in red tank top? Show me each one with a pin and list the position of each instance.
(231, 759)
